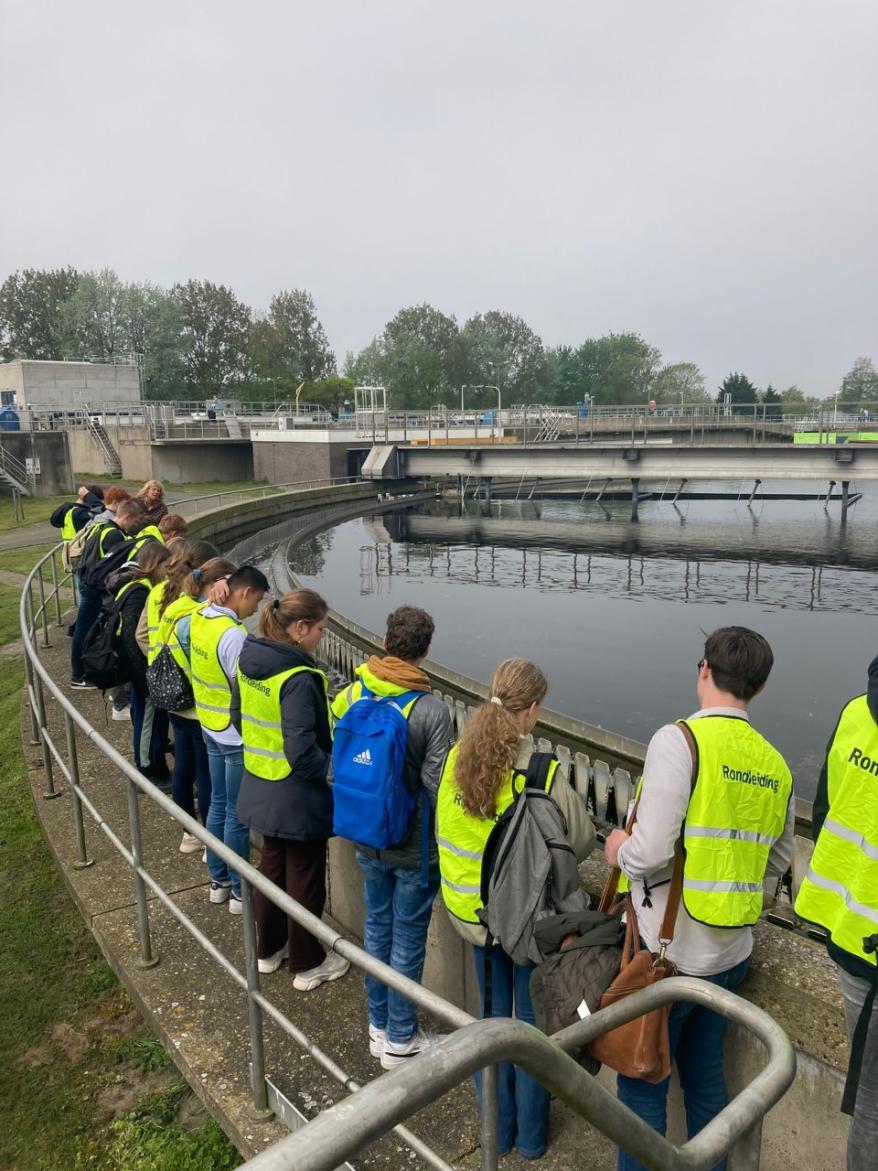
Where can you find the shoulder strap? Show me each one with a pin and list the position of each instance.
(537, 772)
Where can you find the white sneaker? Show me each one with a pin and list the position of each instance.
(272, 963)
(220, 891)
(123, 714)
(332, 968)
(236, 907)
(189, 844)
(377, 1040)
(204, 855)
(396, 1053)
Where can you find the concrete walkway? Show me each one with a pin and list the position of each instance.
(198, 1011)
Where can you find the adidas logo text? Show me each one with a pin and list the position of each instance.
(364, 757)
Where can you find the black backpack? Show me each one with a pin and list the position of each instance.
(103, 662)
(169, 689)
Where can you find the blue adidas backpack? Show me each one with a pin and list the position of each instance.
(372, 804)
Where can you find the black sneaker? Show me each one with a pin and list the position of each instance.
(82, 685)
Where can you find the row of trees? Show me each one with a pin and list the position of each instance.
(198, 339)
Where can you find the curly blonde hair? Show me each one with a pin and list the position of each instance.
(489, 742)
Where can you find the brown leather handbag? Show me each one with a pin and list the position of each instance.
(640, 1048)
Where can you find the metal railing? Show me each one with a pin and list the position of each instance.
(15, 473)
(470, 1047)
(241, 495)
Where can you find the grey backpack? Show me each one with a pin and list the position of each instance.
(529, 869)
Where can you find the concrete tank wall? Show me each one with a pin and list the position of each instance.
(51, 449)
(66, 386)
(200, 461)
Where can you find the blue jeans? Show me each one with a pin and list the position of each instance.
(524, 1103)
(90, 603)
(190, 766)
(696, 1038)
(398, 911)
(226, 764)
(149, 732)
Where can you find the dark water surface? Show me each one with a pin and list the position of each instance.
(614, 611)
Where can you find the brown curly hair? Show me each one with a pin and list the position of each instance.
(409, 633)
(489, 741)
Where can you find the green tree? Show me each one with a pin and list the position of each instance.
(215, 335)
(367, 367)
(617, 368)
(501, 349)
(739, 387)
(562, 376)
(772, 401)
(859, 387)
(289, 344)
(680, 383)
(417, 358)
(95, 318)
(155, 330)
(31, 319)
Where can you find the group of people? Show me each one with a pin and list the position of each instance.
(254, 753)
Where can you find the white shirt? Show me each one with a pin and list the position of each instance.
(697, 950)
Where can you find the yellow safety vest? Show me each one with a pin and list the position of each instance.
(261, 728)
(68, 529)
(736, 813)
(840, 888)
(167, 633)
(354, 691)
(210, 686)
(462, 838)
(142, 581)
(153, 602)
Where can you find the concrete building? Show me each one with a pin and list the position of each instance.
(31, 385)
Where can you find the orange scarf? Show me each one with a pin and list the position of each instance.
(398, 671)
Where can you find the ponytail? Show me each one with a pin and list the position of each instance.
(204, 576)
(301, 605)
(490, 739)
(185, 557)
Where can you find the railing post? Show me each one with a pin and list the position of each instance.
(745, 1154)
(31, 679)
(43, 615)
(56, 591)
(260, 1108)
(51, 792)
(488, 1123)
(82, 859)
(146, 959)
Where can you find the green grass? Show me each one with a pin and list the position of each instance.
(36, 509)
(24, 559)
(69, 1035)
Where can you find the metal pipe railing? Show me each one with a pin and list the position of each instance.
(262, 490)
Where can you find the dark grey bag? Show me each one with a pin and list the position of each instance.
(169, 689)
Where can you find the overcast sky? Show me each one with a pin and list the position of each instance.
(703, 172)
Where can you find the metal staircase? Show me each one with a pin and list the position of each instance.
(111, 458)
(549, 426)
(14, 473)
(233, 426)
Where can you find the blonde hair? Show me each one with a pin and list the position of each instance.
(489, 742)
(151, 484)
(203, 577)
(151, 561)
(297, 606)
(186, 556)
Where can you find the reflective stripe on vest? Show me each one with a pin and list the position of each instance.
(210, 686)
(261, 728)
(167, 633)
(461, 838)
(736, 813)
(353, 692)
(840, 888)
(153, 602)
(120, 593)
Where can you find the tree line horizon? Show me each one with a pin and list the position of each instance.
(198, 339)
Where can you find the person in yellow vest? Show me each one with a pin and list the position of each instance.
(737, 817)
(180, 594)
(282, 709)
(149, 726)
(840, 893)
(398, 890)
(216, 635)
(479, 780)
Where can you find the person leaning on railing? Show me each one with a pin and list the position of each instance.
(840, 893)
(282, 709)
(478, 783)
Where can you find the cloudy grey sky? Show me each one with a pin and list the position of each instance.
(705, 173)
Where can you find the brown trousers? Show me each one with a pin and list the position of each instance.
(299, 868)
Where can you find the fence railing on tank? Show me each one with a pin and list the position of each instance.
(471, 1046)
(194, 505)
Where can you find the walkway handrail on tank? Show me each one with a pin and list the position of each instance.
(16, 472)
(467, 1049)
(263, 490)
(341, 1130)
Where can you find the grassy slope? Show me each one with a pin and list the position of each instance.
(84, 1087)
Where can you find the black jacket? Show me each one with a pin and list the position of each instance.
(133, 602)
(82, 511)
(845, 959)
(299, 807)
